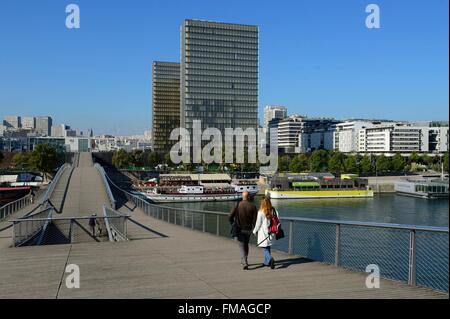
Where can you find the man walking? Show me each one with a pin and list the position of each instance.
(243, 218)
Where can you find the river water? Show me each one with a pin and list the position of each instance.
(385, 208)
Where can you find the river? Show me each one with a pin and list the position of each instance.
(383, 208)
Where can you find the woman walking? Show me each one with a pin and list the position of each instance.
(263, 222)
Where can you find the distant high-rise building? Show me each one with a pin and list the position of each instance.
(12, 121)
(274, 112)
(44, 125)
(28, 122)
(219, 75)
(165, 103)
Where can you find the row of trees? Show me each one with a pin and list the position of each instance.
(139, 158)
(317, 161)
(337, 163)
(44, 158)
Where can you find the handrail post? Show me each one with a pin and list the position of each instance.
(337, 251)
(192, 220)
(217, 225)
(291, 238)
(412, 258)
(204, 222)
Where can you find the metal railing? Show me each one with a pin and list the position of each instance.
(28, 228)
(417, 255)
(106, 183)
(116, 224)
(12, 207)
(43, 229)
(54, 182)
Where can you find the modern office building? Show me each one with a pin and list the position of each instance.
(219, 75)
(274, 112)
(28, 122)
(12, 121)
(299, 134)
(44, 125)
(165, 103)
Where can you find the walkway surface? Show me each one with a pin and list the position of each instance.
(172, 262)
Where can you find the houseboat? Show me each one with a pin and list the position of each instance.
(196, 187)
(316, 186)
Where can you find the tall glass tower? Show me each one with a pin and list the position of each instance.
(165, 103)
(219, 75)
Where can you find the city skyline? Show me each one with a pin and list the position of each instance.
(307, 66)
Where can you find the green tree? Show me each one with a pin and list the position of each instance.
(351, 164)
(366, 166)
(397, 163)
(137, 158)
(121, 159)
(299, 164)
(22, 160)
(336, 163)
(283, 163)
(383, 164)
(425, 159)
(1, 157)
(44, 158)
(318, 162)
(414, 158)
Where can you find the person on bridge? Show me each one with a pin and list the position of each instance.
(93, 222)
(262, 228)
(243, 219)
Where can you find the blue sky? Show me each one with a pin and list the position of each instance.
(316, 57)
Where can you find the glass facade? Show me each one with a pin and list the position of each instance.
(219, 75)
(166, 103)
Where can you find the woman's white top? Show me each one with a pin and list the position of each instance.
(262, 228)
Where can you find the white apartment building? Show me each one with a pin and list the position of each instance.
(403, 139)
(346, 137)
(299, 134)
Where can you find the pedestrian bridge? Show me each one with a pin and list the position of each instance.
(151, 251)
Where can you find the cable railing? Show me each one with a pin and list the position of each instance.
(111, 198)
(54, 182)
(417, 255)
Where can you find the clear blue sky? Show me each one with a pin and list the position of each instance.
(316, 57)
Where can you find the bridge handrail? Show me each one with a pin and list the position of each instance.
(10, 208)
(102, 172)
(53, 183)
(116, 225)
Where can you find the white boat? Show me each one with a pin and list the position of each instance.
(191, 194)
(436, 188)
(240, 187)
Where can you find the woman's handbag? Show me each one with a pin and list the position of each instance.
(280, 233)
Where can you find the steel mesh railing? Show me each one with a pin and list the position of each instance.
(115, 224)
(10, 208)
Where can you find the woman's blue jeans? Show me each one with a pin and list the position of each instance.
(267, 255)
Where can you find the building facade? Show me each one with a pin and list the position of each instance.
(274, 112)
(44, 125)
(299, 134)
(12, 121)
(219, 75)
(165, 103)
(28, 123)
